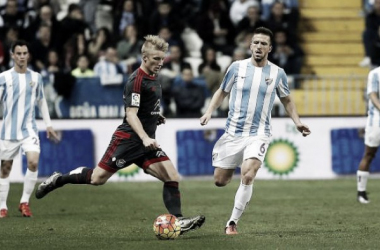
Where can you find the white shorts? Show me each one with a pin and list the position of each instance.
(372, 136)
(230, 152)
(10, 149)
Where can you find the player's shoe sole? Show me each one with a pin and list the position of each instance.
(191, 223)
(362, 197)
(47, 186)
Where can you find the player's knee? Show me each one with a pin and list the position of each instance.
(221, 182)
(32, 165)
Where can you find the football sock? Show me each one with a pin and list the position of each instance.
(30, 180)
(81, 175)
(172, 198)
(362, 178)
(4, 190)
(242, 198)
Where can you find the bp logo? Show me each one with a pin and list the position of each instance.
(282, 157)
(131, 170)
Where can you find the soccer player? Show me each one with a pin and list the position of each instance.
(372, 134)
(252, 84)
(21, 89)
(134, 140)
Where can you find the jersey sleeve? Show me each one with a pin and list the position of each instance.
(230, 77)
(282, 89)
(372, 83)
(132, 92)
(40, 87)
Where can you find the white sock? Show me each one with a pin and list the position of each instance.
(362, 178)
(29, 183)
(242, 198)
(4, 190)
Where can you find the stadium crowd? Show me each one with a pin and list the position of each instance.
(102, 38)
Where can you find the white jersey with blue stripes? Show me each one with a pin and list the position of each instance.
(252, 92)
(373, 86)
(19, 96)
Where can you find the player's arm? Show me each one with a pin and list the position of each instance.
(215, 103)
(291, 109)
(136, 125)
(374, 99)
(50, 133)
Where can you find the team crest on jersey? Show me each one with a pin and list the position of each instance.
(135, 99)
(268, 80)
(32, 84)
(120, 163)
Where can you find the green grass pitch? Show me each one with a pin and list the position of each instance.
(321, 214)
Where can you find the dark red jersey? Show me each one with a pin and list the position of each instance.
(143, 92)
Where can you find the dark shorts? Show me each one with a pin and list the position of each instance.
(126, 149)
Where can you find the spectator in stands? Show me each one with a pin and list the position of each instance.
(53, 64)
(41, 46)
(129, 47)
(108, 68)
(291, 6)
(99, 43)
(89, 9)
(125, 18)
(188, 95)
(166, 34)
(82, 69)
(239, 54)
(47, 17)
(171, 70)
(74, 23)
(238, 9)
(215, 28)
(12, 17)
(286, 54)
(251, 21)
(163, 16)
(73, 48)
(371, 37)
(279, 19)
(243, 41)
(11, 36)
(208, 60)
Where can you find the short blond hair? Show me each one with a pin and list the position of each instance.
(153, 42)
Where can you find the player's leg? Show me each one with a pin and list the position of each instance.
(80, 175)
(254, 154)
(9, 150)
(165, 171)
(30, 180)
(363, 173)
(6, 166)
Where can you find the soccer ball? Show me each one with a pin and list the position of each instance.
(166, 227)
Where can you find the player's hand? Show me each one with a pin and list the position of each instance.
(52, 135)
(161, 120)
(303, 129)
(150, 144)
(204, 119)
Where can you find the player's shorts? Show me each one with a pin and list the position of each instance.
(372, 136)
(229, 152)
(126, 149)
(10, 149)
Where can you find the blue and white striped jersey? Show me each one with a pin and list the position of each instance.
(19, 94)
(373, 86)
(252, 93)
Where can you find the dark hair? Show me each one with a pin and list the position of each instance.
(265, 31)
(19, 43)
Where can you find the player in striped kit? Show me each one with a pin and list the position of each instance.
(372, 134)
(20, 90)
(252, 84)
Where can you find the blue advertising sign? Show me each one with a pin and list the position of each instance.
(90, 99)
(75, 149)
(347, 146)
(194, 151)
